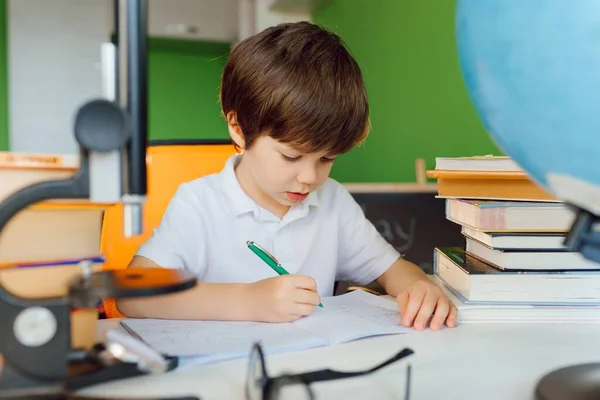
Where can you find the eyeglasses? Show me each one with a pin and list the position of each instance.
(260, 386)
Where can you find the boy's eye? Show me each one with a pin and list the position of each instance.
(290, 159)
(327, 160)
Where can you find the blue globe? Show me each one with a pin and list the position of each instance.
(532, 69)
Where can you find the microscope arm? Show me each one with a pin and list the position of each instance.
(76, 187)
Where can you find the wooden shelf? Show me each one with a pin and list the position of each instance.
(391, 187)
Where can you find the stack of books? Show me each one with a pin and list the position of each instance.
(514, 266)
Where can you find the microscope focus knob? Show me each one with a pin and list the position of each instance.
(35, 326)
(101, 126)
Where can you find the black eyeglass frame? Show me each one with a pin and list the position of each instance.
(270, 386)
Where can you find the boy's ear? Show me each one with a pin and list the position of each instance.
(235, 130)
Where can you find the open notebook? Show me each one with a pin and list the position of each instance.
(344, 318)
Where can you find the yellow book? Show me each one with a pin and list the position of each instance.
(509, 185)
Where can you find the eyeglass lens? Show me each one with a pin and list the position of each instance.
(255, 378)
(290, 387)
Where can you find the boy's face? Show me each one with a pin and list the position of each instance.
(283, 173)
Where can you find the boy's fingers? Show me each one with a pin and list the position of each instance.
(305, 282)
(305, 296)
(452, 316)
(402, 301)
(442, 310)
(426, 310)
(412, 308)
(304, 309)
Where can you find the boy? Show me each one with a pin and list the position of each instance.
(294, 99)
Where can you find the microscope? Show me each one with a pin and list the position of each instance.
(37, 359)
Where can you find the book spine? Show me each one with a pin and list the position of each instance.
(492, 218)
(435, 261)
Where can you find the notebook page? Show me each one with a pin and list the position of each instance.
(353, 316)
(224, 338)
(344, 318)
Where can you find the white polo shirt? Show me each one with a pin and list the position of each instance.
(208, 221)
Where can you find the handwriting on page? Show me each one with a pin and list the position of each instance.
(185, 338)
(352, 316)
(373, 314)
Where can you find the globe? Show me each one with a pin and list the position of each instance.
(532, 69)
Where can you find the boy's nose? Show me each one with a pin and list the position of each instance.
(308, 176)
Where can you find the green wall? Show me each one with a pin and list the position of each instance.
(183, 92)
(3, 80)
(419, 104)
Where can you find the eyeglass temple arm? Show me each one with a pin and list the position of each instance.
(329, 374)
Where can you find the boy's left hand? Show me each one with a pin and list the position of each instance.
(422, 301)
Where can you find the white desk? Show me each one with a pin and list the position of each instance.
(468, 362)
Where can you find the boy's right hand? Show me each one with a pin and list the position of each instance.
(283, 298)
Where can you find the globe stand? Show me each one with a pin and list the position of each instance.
(575, 382)
(583, 237)
(582, 381)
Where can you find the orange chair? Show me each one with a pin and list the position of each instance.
(169, 163)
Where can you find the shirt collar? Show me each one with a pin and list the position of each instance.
(240, 201)
(312, 199)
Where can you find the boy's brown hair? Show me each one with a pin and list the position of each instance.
(298, 84)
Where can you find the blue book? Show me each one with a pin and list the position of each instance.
(73, 261)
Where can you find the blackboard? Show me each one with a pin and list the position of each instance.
(414, 223)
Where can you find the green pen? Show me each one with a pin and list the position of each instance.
(269, 259)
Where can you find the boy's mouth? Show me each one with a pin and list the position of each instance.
(295, 196)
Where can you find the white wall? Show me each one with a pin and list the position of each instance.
(265, 17)
(53, 68)
(215, 20)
